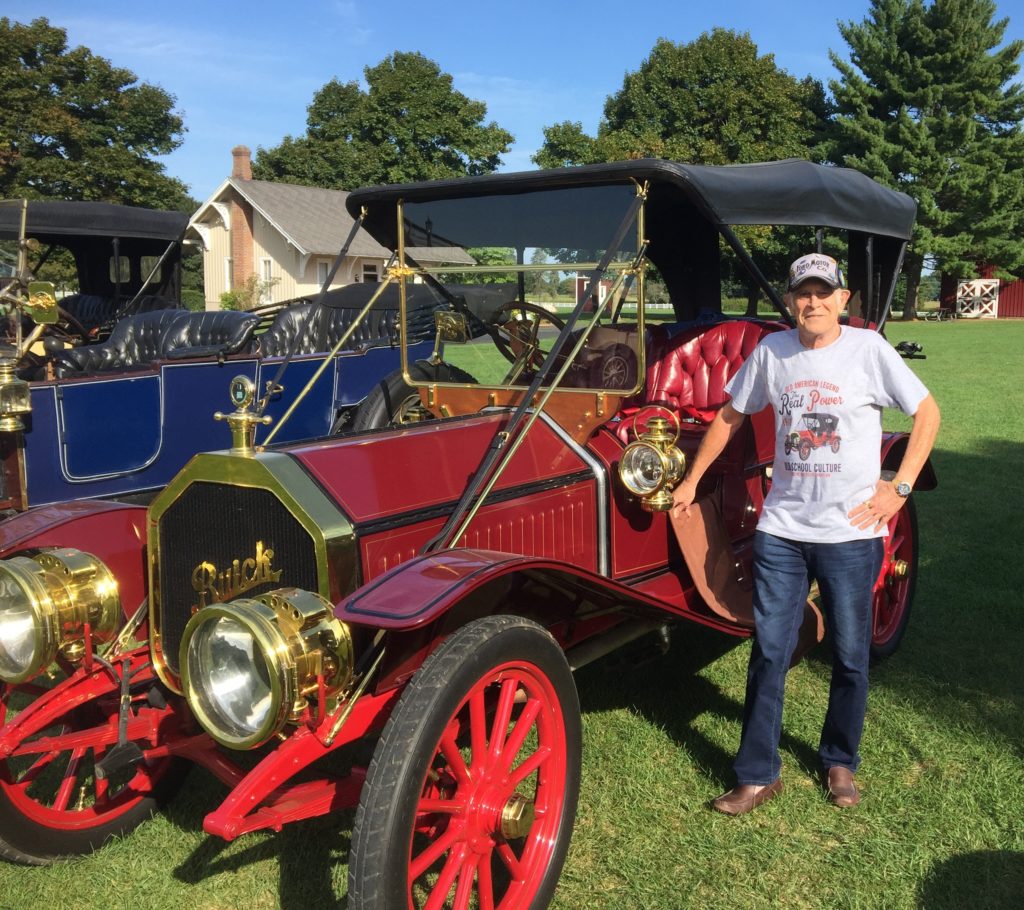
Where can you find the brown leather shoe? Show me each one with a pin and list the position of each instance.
(746, 797)
(842, 791)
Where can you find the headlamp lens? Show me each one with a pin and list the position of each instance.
(19, 639)
(230, 678)
(642, 469)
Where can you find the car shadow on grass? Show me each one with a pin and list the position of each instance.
(307, 853)
(669, 692)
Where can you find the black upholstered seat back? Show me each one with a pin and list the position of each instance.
(135, 341)
(229, 331)
(294, 325)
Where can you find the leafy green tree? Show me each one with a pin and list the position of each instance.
(715, 100)
(925, 105)
(74, 126)
(410, 124)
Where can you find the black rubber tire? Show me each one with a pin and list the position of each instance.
(383, 406)
(880, 650)
(382, 838)
(27, 841)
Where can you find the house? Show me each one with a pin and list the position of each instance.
(285, 235)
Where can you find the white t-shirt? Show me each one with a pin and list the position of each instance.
(828, 426)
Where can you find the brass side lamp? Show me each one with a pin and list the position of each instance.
(653, 465)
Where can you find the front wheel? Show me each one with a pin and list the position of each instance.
(53, 804)
(471, 794)
(894, 589)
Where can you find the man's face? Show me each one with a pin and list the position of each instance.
(816, 307)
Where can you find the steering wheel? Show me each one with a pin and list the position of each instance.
(516, 331)
(67, 328)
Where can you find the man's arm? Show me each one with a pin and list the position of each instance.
(727, 421)
(885, 501)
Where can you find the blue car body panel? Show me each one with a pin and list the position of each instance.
(111, 435)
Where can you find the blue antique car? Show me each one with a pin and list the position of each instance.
(114, 372)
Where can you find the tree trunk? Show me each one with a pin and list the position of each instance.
(912, 267)
(753, 295)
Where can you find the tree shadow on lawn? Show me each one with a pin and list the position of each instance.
(669, 693)
(993, 879)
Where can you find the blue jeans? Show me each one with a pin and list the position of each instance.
(846, 574)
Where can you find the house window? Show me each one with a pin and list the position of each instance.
(266, 279)
(322, 268)
(370, 272)
(229, 275)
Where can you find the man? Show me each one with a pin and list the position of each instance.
(824, 516)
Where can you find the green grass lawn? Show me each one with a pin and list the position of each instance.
(943, 782)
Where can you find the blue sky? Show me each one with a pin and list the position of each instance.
(245, 71)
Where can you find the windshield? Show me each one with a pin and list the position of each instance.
(504, 272)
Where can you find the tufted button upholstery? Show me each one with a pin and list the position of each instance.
(293, 322)
(134, 341)
(311, 330)
(201, 334)
(90, 310)
(688, 370)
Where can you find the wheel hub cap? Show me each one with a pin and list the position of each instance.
(516, 817)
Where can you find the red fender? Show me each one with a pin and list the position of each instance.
(416, 593)
(114, 533)
(893, 447)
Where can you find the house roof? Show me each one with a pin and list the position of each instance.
(312, 219)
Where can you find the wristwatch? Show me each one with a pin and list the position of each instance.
(902, 488)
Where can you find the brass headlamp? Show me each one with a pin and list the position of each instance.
(249, 666)
(46, 603)
(653, 465)
(15, 397)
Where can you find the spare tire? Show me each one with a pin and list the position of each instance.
(392, 396)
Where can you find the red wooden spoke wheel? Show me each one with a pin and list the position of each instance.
(894, 589)
(52, 802)
(471, 795)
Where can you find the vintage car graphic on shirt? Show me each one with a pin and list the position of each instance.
(816, 430)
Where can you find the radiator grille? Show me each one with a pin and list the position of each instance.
(218, 523)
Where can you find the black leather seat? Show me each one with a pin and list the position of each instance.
(293, 326)
(161, 335)
(90, 310)
(204, 334)
(135, 341)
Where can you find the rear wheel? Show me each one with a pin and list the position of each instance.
(390, 401)
(52, 802)
(894, 589)
(471, 795)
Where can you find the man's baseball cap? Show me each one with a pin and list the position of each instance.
(816, 265)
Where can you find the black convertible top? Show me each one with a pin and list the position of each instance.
(51, 222)
(774, 192)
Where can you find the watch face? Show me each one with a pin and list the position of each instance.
(903, 489)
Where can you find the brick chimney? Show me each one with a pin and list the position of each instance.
(241, 162)
(241, 220)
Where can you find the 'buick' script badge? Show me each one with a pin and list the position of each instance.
(217, 587)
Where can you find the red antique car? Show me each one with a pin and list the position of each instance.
(816, 430)
(422, 592)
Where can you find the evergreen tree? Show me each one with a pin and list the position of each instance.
(410, 124)
(925, 105)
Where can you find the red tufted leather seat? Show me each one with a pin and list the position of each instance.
(688, 371)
